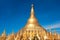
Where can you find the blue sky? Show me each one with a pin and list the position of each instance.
(15, 13)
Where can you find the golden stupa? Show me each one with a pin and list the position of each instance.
(31, 31)
(34, 31)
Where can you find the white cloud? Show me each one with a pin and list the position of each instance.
(52, 26)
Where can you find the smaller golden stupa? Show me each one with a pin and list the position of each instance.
(3, 36)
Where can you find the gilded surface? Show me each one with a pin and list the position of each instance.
(31, 31)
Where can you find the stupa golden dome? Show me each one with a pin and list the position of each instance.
(31, 31)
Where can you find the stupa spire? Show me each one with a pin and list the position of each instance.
(32, 19)
(12, 32)
(4, 33)
(32, 11)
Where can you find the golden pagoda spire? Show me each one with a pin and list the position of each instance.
(32, 11)
(50, 29)
(32, 19)
(55, 32)
(12, 32)
(4, 33)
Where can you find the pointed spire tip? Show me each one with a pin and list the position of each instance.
(32, 5)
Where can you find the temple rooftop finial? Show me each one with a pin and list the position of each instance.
(32, 5)
(4, 33)
(32, 19)
(32, 11)
(12, 31)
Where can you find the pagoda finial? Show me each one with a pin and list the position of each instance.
(4, 33)
(55, 31)
(32, 11)
(32, 19)
(32, 5)
(12, 31)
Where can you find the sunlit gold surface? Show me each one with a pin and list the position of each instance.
(31, 31)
